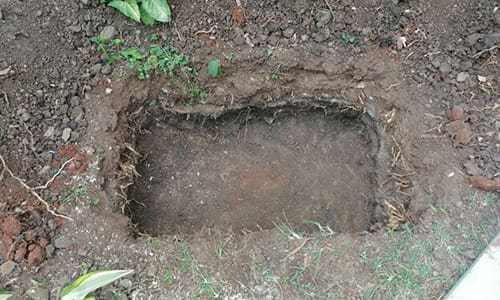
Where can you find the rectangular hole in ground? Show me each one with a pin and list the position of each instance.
(249, 168)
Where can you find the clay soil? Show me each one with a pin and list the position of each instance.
(375, 121)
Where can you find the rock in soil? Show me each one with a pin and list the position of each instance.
(108, 33)
(456, 113)
(10, 226)
(61, 242)
(36, 255)
(471, 168)
(7, 267)
(484, 183)
(66, 134)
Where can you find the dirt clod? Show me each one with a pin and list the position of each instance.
(456, 113)
(238, 16)
(10, 226)
(36, 255)
(484, 183)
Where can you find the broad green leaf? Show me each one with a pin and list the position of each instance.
(130, 8)
(4, 294)
(146, 19)
(157, 9)
(90, 282)
(214, 68)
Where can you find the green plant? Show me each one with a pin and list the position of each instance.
(276, 73)
(347, 38)
(5, 294)
(94, 201)
(168, 276)
(214, 68)
(74, 193)
(107, 47)
(155, 37)
(154, 242)
(88, 283)
(195, 94)
(145, 11)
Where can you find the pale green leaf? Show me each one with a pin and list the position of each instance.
(90, 282)
(157, 9)
(130, 8)
(4, 294)
(146, 19)
(214, 68)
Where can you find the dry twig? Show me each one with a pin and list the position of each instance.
(32, 190)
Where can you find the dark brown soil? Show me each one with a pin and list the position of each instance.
(250, 168)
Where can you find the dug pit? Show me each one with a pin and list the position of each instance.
(252, 167)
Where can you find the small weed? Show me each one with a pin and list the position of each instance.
(154, 37)
(195, 94)
(214, 68)
(286, 229)
(220, 249)
(94, 201)
(74, 193)
(168, 276)
(347, 38)
(107, 47)
(275, 73)
(85, 267)
(207, 287)
(187, 261)
(154, 242)
(36, 283)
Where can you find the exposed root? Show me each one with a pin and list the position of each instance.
(32, 190)
(397, 215)
(294, 251)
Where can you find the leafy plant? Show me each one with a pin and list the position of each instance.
(88, 283)
(276, 73)
(154, 37)
(347, 38)
(107, 48)
(195, 94)
(214, 68)
(4, 294)
(94, 201)
(74, 193)
(145, 11)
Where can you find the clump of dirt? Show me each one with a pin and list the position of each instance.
(251, 167)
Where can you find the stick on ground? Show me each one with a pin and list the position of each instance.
(32, 190)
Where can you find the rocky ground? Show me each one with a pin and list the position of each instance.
(427, 71)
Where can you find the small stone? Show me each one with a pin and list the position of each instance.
(50, 250)
(289, 32)
(304, 37)
(39, 293)
(50, 132)
(324, 17)
(456, 113)
(1, 14)
(444, 70)
(462, 76)
(96, 69)
(75, 28)
(471, 168)
(26, 116)
(126, 283)
(61, 242)
(106, 69)
(108, 33)
(66, 134)
(38, 13)
(7, 267)
(496, 157)
(74, 101)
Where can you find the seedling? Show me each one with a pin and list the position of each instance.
(88, 283)
(107, 48)
(347, 38)
(145, 11)
(195, 94)
(94, 201)
(74, 193)
(214, 68)
(154, 37)
(275, 73)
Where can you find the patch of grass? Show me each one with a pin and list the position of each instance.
(168, 276)
(154, 242)
(220, 249)
(404, 268)
(74, 193)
